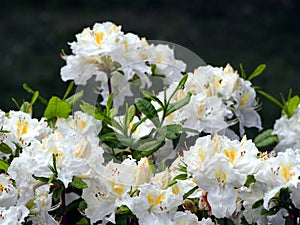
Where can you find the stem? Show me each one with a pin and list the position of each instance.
(109, 86)
(225, 221)
(64, 208)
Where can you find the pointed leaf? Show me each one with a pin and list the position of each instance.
(257, 71)
(175, 106)
(171, 131)
(147, 148)
(74, 98)
(152, 97)
(243, 73)
(182, 81)
(95, 112)
(145, 107)
(69, 89)
(270, 98)
(29, 90)
(291, 106)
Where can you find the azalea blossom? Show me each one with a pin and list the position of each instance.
(23, 129)
(288, 131)
(221, 166)
(14, 215)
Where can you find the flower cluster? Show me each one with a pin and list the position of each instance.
(171, 157)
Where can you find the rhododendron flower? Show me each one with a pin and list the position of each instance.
(23, 129)
(14, 215)
(8, 193)
(288, 131)
(154, 205)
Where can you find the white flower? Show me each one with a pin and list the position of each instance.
(278, 172)
(245, 107)
(185, 218)
(103, 38)
(24, 129)
(107, 189)
(288, 131)
(155, 206)
(249, 196)
(41, 204)
(81, 69)
(14, 215)
(8, 193)
(204, 114)
(220, 166)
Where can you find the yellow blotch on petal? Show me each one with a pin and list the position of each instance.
(230, 154)
(244, 99)
(287, 172)
(155, 200)
(117, 188)
(99, 37)
(202, 154)
(22, 127)
(160, 59)
(175, 189)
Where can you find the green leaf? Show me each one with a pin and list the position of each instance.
(69, 89)
(95, 112)
(259, 70)
(109, 103)
(270, 98)
(171, 131)
(5, 148)
(83, 221)
(182, 81)
(74, 98)
(182, 176)
(131, 113)
(270, 212)
(266, 138)
(30, 91)
(250, 180)
(243, 73)
(175, 106)
(78, 183)
(257, 204)
(4, 165)
(291, 106)
(42, 179)
(34, 97)
(152, 97)
(186, 195)
(145, 107)
(57, 108)
(147, 148)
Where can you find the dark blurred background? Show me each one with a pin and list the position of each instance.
(33, 33)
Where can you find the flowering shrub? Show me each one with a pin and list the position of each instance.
(155, 144)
